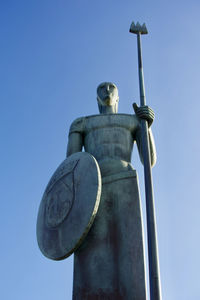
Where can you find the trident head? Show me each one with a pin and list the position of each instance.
(138, 28)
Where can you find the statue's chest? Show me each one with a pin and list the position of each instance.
(110, 122)
(112, 128)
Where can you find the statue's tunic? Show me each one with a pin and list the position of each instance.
(109, 265)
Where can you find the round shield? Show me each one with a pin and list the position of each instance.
(69, 206)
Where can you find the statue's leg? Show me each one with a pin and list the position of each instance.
(130, 236)
(95, 268)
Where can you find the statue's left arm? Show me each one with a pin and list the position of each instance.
(146, 113)
(75, 139)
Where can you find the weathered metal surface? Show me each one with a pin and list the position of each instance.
(110, 262)
(109, 259)
(69, 206)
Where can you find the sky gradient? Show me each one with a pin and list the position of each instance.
(53, 56)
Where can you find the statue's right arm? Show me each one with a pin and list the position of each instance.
(75, 143)
(75, 139)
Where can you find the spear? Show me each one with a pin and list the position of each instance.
(154, 273)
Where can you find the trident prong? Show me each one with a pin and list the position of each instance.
(138, 28)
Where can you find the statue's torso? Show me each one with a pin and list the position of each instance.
(109, 138)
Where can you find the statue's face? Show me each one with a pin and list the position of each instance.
(107, 94)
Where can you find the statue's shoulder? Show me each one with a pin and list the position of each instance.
(127, 116)
(77, 125)
(129, 121)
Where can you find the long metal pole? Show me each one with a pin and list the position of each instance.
(154, 274)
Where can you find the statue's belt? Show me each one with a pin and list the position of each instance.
(119, 176)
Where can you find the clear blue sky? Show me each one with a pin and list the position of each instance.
(53, 55)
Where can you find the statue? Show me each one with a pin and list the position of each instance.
(91, 205)
(109, 263)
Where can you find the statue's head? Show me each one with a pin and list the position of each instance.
(107, 97)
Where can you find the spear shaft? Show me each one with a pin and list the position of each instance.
(154, 274)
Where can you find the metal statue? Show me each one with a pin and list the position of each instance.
(109, 264)
(91, 206)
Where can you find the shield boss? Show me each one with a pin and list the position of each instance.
(69, 206)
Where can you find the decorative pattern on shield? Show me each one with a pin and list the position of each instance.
(60, 199)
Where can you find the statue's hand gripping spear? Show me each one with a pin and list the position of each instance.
(154, 274)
